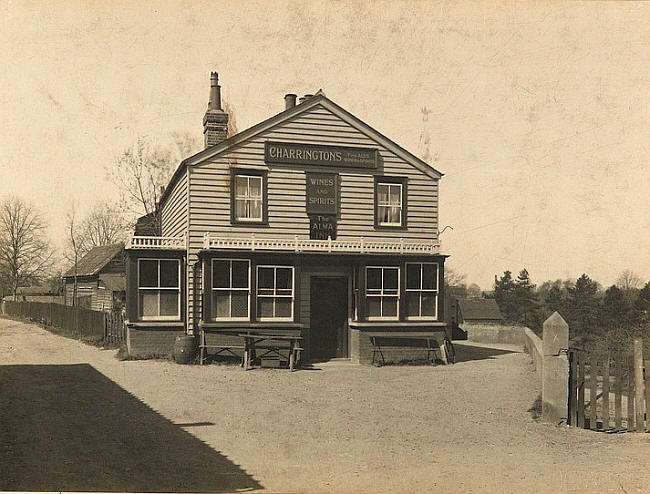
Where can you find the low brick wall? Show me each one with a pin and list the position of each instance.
(361, 350)
(533, 346)
(494, 333)
(146, 343)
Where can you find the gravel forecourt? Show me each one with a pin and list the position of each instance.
(346, 428)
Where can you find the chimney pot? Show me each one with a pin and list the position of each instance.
(215, 121)
(307, 96)
(289, 101)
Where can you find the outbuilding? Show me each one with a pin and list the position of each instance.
(310, 223)
(99, 278)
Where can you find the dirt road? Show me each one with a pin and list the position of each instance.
(144, 425)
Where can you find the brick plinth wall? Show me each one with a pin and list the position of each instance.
(361, 351)
(151, 343)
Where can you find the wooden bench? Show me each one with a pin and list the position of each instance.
(203, 347)
(382, 341)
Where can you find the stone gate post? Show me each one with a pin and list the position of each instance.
(555, 381)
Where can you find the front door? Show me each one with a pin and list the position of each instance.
(328, 336)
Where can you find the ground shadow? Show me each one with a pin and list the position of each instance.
(467, 353)
(69, 427)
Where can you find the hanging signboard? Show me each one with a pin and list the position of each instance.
(322, 227)
(321, 192)
(312, 154)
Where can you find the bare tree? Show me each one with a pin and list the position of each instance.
(629, 282)
(140, 173)
(232, 122)
(104, 225)
(74, 247)
(26, 255)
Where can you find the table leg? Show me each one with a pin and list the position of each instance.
(201, 352)
(443, 353)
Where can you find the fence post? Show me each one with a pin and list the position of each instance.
(555, 380)
(639, 385)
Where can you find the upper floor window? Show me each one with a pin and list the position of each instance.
(230, 289)
(390, 207)
(248, 196)
(421, 290)
(382, 292)
(275, 292)
(159, 291)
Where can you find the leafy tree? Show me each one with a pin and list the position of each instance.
(641, 307)
(474, 291)
(504, 293)
(525, 297)
(583, 305)
(616, 310)
(26, 255)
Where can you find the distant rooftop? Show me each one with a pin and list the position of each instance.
(479, 309)
(95, 260)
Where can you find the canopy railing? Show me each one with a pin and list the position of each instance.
(296, 244)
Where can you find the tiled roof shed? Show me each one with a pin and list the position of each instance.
(95, 260)
(479, 309)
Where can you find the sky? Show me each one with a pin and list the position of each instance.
(538, 114)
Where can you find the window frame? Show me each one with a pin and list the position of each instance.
(382, 295)
(178, 316)
(249, 172)
(213, 308)
(403, 183)
(275, 295)
(421, 291)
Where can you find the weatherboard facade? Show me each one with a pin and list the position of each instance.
(275, 218)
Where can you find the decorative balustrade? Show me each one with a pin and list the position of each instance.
(170, 243)
(357, 245)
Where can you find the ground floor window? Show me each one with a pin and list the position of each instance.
(275, 292)
(382, 292)
(159, 289)
(421, 290)
(230, 289)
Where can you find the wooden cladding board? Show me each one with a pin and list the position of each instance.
(209, 190)
(174, 213)
(210, 187)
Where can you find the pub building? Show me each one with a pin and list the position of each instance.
(310, 223)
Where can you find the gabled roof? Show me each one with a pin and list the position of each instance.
(319, 99)
(479, 309)
(95, 260)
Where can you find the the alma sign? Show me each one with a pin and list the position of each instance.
(322, 227)
(312, 154)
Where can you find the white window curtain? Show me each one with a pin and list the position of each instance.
(248, 198)
(389, 204)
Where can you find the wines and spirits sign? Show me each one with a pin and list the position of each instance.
(312, 154)
(322, 193)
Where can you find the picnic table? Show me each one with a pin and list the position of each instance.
(253, 339)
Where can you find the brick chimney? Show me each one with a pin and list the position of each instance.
(215, 121)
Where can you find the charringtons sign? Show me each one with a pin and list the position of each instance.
(312, 154)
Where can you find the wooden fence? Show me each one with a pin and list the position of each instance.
(85, 323)
(604, 391)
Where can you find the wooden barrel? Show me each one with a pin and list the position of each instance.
(185, 349)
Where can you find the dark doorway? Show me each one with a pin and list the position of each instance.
(328, 336)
